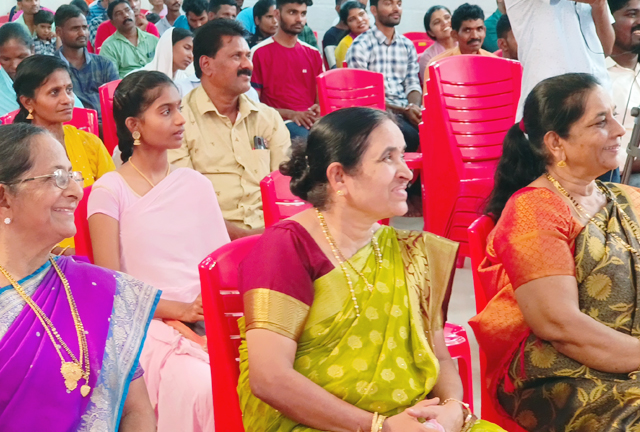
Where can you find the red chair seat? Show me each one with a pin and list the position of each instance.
(83, 119)
(108, 123)
(82, 238)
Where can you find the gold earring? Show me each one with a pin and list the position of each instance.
(136, 138)
(339, 193)
(561, 164)
(30, 116)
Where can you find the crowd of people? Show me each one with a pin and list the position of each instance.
(343, 317)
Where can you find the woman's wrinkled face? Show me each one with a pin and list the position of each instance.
(39, 208)
(53, 100)
(593, 143)
(358, 21)
(440, 24)
(378, 187)
(183, 53)
(161, 124)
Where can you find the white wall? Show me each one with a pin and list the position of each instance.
(322, 13)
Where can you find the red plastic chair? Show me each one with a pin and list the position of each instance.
(108, 123)
(420, 40)
(83, 119)
(82, 238)
(345, 88)
(277, 200)
(4, 19)
(472, 102)
(478, 232)
(222, 305)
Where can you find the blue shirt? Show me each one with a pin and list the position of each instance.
(181, 22)
(96, 10)
(246, 19)
(95, 72)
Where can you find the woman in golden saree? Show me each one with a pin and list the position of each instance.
(561, 334)
(342, 316)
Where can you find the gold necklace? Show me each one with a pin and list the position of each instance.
(144, 176)
(341, 259)
(72, 371)
(584, 214)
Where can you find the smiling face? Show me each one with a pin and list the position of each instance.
(40, 209)
(53, 100)
(388, 12)
(593, 143)
(12, 52)
(440, 25)
(231, 68)
(627, 27)
(173, 5)
(378, 187)
(470, 36)
(183, 53)
(358, 21)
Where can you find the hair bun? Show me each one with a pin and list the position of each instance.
(298, 169)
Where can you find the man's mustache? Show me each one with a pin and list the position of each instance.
(246, 72)
(635, 28)
(473, 40)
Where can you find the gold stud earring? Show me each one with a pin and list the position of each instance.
(136, 138)
(30, 116)
(561, 164)
(339, 193)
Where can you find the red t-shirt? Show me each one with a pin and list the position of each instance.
(286, 77)
(106, 29)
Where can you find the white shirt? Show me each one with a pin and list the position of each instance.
(626, 95)
(555, 37)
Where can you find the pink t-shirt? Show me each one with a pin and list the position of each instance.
(434, 50)
(286, 77)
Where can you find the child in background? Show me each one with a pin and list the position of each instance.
(44, 42)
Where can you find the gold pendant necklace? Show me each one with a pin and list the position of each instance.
(72, 371)
(584, 214)
(341, 260)
(144, 176)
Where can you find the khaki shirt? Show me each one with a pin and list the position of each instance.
(224, 152)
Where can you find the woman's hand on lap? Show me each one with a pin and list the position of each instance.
(192, 312)
(407, 421)
(450, 416)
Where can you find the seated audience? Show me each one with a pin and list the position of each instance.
(15, 45)
(45, 92)
(437, 24)
(264, 15)
(80, 4)
(562, 260)
(88, 71)
(491, 39)
(44, 41)
(107, 28)
(28, 11)
(159, 8)
(95, 19)
(153, 18)
(127, 211)
(174, 54)
(98, 9)
(383, 49)
(173, 13)
(334, 35)
(355, 16)
(624, 69)
(353, 336)
(98, 316)
(223, 127)
(129, 48)
(15, 9)
(506, 41)
(195, 15)
(222, 9)
(467, 29)
(285, 69)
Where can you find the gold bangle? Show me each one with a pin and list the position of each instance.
(374, 421)
(464, 405)
(380, 423)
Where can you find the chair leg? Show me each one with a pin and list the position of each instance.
(460, 261)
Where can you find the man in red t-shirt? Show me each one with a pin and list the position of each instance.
(285, 69)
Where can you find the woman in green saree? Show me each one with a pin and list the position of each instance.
(342, 315)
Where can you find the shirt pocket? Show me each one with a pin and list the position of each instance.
(262, 159)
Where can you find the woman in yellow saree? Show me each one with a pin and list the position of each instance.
(562, 332)
(342, 316)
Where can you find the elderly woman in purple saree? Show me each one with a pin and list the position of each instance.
(95, 315)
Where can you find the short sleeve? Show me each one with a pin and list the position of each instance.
(256, 76)
(103, 199)
(534, 237)
(277, 292)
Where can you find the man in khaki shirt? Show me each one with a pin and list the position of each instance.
(222, 124)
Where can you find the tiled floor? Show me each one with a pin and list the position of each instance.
(461, 308)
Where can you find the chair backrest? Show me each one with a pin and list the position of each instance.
(82, 238)
(420, 40)
(498, 53)
(472, 102)
(478, 232)
(108, 123)
(4, 19)
(222, 305)
(343, 88)
(83, 119)
(277, 200)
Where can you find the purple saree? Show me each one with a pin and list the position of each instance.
(115, 310)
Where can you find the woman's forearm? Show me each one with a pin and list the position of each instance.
(169, 309)
(137, 413)
(302, 400)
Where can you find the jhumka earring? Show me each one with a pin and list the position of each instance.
(136, 138)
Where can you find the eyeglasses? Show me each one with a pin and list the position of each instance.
(62, 178)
